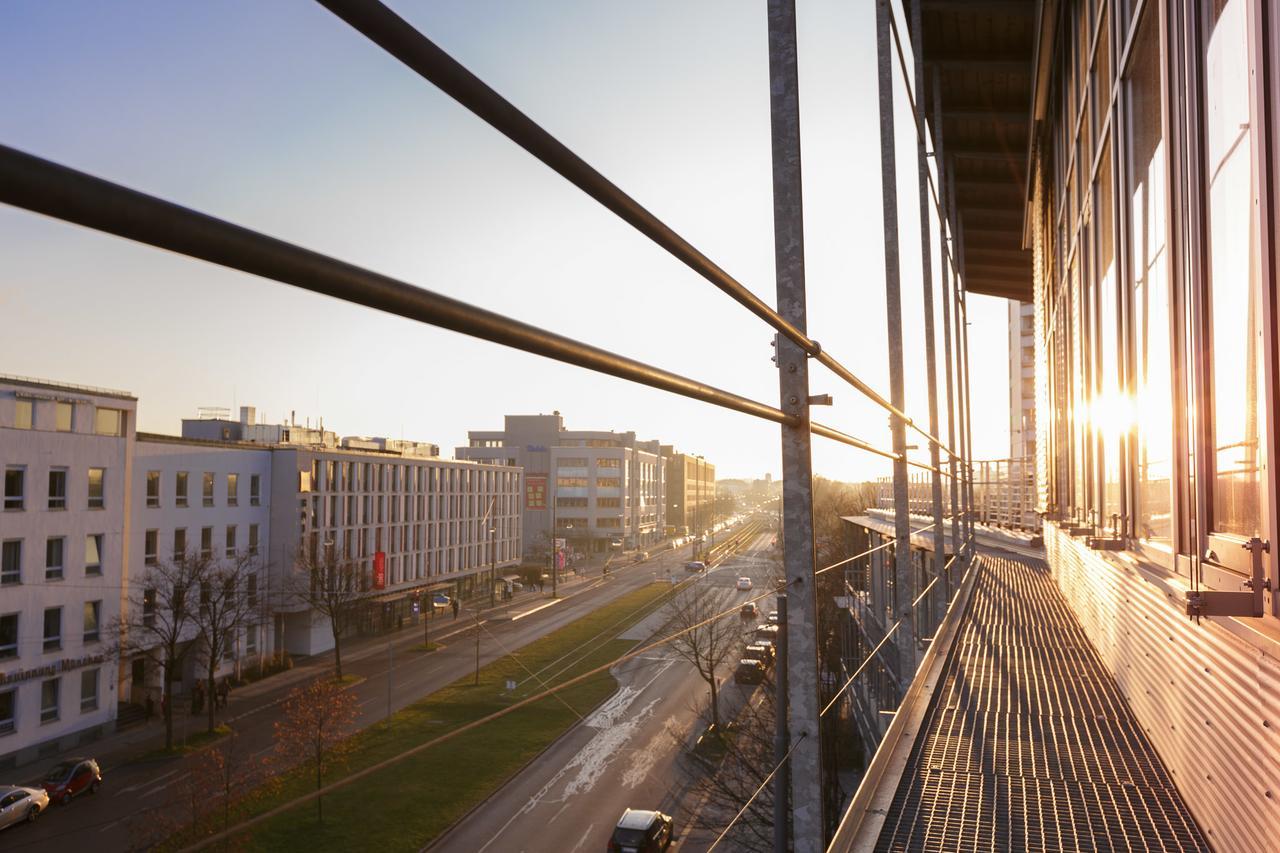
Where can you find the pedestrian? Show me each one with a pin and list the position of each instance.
(454, 604)
(223, 689)
(151, 707)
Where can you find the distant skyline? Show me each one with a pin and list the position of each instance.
(279, 117)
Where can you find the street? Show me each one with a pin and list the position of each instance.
(624, 754)
(393, 676)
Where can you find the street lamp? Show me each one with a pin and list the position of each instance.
(493, 564)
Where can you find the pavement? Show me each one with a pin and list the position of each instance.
(393, 676)
(623, 754)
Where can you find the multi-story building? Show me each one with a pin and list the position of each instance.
(67, 457)
(210, 499)
(598, 489)
(1022, 380)
(691, 492)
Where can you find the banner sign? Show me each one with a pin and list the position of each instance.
(379, 570)
(535, 491)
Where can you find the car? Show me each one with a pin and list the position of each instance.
(749, 611)
(440, 600)
(766, 631)
(748, 672)
(695, 566)
(616, 543)
(18, 804)
(71, 778)
(642, 831)
(744, 583)
(773, 617)
(760, 652)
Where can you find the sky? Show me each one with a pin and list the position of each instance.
(279, 117)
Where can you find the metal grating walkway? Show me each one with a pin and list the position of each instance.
(1029, 745)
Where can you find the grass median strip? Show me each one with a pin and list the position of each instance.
(409, 803)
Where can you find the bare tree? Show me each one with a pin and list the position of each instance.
(315, 727)
(705, 642)
(225, 609)
(331, 586)
(159, 621)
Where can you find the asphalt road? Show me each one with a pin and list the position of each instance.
(624, 754)
(108, 821)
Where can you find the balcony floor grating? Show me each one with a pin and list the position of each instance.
(1029, 744)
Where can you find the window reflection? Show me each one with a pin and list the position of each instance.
(1234, 327)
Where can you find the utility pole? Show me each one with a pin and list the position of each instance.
(476, 617)
(808, 824)
(391, 662)
(493, 565)
(782, 779)
(903, 585)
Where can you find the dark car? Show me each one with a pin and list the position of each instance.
(749, 610)
(695, 566)
(71, 778)
(760, 652)
(748, 672)
(642, 831)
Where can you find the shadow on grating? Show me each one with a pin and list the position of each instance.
(1029, 744)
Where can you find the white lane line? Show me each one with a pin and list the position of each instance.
(550, 603)
(583, 839)
(560, 812)
(145, 784)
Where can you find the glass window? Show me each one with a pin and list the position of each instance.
(49, 700)
(108, 422)
(88, 690)
(57, 488)
(62, 416)
(15, 481)
(9, 635)
(23, 414)
(52, 629)
(11, 562)
(8, 701)
(92, 618)
(233, 489)
(54, 548)
(206, 542)
(255, 489)
(179, 543)
(231, 540)
(180, 489)
(153, 488)
(148, 606)
(97, 488)
(151, 547)
(253, 538)
(93, 554)
(208, 488)
(1153, 351)
(251, 590)
(1234, 320)
(1111, 406)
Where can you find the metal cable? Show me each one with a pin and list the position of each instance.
(757, 793)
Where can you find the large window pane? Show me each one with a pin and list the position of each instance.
(1147, 211)
(1235, 327)
(1112, 408)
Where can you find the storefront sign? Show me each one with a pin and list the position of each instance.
(379, 570)
(64, 665)
(535, 491)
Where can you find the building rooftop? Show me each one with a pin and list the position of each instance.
(30, 382)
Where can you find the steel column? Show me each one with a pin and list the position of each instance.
(781, 740)
(930, 348)
(903, 587)
(808, 826)
(939, 157)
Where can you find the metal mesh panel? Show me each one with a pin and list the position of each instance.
(1029, 744)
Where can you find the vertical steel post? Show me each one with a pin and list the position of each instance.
(939, 158)
(968, 402)
(808, 825)
(782, 779)
(902, 579)
(930, 346)
(962, 384)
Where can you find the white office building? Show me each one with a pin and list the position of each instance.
(67, 455)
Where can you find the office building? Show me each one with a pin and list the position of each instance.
(691, 492)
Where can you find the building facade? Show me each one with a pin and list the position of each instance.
(598, 489)
(67, 454)
(1022, 380)
(1153, 195)
(691, 492)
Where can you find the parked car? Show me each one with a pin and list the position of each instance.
(760, 652)
(773, 617)
(642, 831)
(71, 778)
(18, 804)
(766, 631)
(440, 600)
(748, 672)
(744, 583)
(749, 611)
(616, 544)
(695, 566)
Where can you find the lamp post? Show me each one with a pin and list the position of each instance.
(493, 564)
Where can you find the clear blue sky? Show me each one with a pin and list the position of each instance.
(277, 116)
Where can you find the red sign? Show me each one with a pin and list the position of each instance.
(379, 570)
(535, 492)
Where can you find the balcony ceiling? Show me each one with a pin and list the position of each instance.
(982, 53)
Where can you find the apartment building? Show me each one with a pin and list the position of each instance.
(67, 455)
(691, 492)
(594, 488)
(208, 499)
(1022, 380)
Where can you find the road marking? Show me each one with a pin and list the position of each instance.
(560, 812)
(550, 603)
(148, 783)
(583, 839)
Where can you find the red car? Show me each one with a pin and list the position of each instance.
(71, 778)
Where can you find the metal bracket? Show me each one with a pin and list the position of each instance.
(1248, 604)
(1078, 529)
(820, 400)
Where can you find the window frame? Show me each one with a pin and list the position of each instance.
(99, 500)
